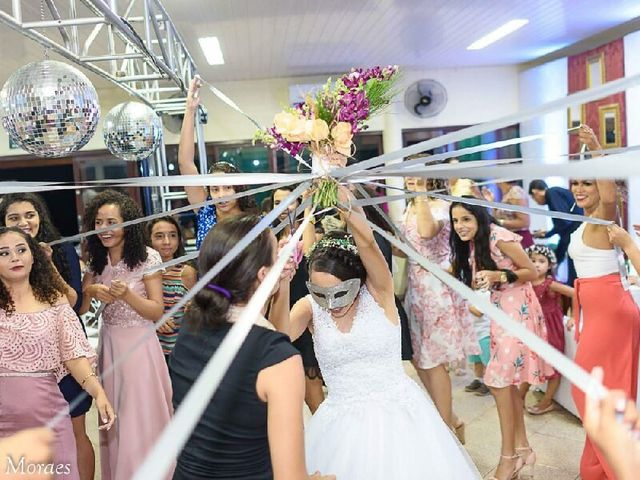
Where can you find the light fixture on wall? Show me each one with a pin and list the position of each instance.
(500, 32)
(211, 49)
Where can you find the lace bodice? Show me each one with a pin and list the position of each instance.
(41, 341)
(120, 313)
(365, 363)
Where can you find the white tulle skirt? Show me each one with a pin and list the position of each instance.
(398, 435)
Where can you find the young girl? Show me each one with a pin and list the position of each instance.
(165, 236)
(253, 426)
(488, 257)
(549, 294)
(29, 213)
(441, 327)
(209, 215)
(376, 422)
(41, 342)
(140, 387)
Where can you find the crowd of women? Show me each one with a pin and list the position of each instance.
(333, 324)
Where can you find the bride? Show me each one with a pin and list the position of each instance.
(376, 422)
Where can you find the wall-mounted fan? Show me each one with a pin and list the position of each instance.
(425, 98)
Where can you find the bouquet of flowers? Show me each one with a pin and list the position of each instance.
(324, 124)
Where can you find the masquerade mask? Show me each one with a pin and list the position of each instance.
(339, 296)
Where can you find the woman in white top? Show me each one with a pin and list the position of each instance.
(610, 334)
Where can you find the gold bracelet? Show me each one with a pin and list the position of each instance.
(84, 380)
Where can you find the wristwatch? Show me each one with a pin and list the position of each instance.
(503, 277)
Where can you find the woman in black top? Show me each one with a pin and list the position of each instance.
(252, 429)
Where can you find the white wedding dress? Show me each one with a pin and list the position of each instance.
(376, 423)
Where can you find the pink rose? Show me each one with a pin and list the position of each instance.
(342, 135)
(291, 127)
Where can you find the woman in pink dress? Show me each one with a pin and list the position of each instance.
(516, 222)
(440, 324)
(40, 342)
(488, 257)
(118, 275)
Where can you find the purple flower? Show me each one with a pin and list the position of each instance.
(294, 148)
(353, 107)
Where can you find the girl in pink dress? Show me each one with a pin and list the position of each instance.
(40, 342)
(488, 257)
(118, 275)
(440, 324)
(549, 294)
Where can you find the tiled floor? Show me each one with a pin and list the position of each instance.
(557, 437)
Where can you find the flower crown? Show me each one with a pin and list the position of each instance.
(345, 244)
(542, 250)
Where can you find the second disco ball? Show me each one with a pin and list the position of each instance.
(132, 131)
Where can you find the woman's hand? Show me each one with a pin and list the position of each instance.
(48, 251)
(486, 278)
(118, 289)
(105, 410)
(619, 237)
(588, 138)
(168, 327)
(570, 323)
(100, 292)
(487, 194)
(193, 97)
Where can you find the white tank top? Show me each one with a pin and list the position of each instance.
(591, 262)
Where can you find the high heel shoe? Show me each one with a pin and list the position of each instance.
(516, 468)
(528, 462)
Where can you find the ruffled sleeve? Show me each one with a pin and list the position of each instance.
(152, 261)
(497, 234)
(72, 342)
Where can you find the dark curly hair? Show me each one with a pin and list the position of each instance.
(168, 219)
(45, 284)
(134, 251)
(47, 232)
(461, 251)
(247, 203)
(336, 261)
(209, 307)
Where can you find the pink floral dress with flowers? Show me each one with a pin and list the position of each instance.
(439, 320)
(511, 361)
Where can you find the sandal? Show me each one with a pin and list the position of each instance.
(459, 431)
(536, 410)
(516, 469)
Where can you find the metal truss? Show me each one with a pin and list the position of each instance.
(137, 48)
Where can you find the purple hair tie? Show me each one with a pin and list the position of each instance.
(221, 290)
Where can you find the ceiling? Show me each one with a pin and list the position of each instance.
(283, 38)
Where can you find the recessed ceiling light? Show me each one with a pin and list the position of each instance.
(211, 49)
(500, 32)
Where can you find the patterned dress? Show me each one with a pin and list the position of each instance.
(173, 290)
(206, 218)
(439, 320)
(33, 347)
(512, 362)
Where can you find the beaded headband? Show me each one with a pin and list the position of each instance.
(345, 244)
(542, 250)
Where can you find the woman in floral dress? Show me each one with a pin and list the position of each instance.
(488, 257)
(439, 321)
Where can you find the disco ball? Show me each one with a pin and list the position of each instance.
(49, 108)
(132, 131)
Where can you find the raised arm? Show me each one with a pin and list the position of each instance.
(428, 227)
(186, 151)
(620, 238)
(607, 189)
(379, 279)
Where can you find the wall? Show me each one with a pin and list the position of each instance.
(475, 95)
(632, 67)
(537, 86)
